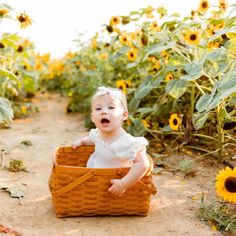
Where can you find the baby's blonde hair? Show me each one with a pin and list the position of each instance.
(114, 93)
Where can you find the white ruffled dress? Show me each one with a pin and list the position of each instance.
(119, 153)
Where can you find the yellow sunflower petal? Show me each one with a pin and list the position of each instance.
(226, 184)
(174, 122)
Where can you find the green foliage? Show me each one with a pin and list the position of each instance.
(6, 112)
(218, 216)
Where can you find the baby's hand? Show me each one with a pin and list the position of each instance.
(76, 144)
(117, 188)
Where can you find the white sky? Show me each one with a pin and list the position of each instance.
(57, 22)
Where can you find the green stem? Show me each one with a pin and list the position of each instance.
(220, 135)
(192, 100)
(199, 87)
(182, 133)
(207, 152)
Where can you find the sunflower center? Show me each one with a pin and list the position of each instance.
(22, 18)
(204, 4)
(175, 121)
(223, 5)
(230, 184)
(193, 37)
(144, 40)
(131, 54)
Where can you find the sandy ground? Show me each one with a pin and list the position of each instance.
(173, 209)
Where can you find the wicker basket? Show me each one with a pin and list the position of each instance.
(80, 191)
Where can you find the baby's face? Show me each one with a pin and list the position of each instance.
(108, 114)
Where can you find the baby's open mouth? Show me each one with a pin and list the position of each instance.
(105, 121)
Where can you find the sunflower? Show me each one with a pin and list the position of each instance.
(214, 44)
(128, 83)
(193, 14)
(226, 184)
(38, 65)
(138, 33)
(218, 26)
(120, 84)
(125, 20)
(166, 56)
(114, 20)
(210, 30)
(125, 39)
(3, 12)
(132, 54)
(128, 122)
(2, 45)
(103, 55)
(152, 59)
(45, 57)
(145, 123)
(109, 28)
(148, 11)
(24, 109)
(155, 68)
(154, 26)
(169, 77)
(174, 122)
(69, 55)
(192, 37)
(20, 48)
(203, 6)
(144, 40)
(24, 20)
(223, 5)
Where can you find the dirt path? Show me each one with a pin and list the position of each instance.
(173, 209)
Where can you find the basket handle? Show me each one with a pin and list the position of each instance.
(75, 183)
(152, 189)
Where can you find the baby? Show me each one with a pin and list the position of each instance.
(114, 147)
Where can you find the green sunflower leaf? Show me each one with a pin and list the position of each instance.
(9, 75)
(225, 90)
(199, 120)
(6, 112)
(176, 88)
(205, 100)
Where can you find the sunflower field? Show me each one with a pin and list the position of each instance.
(179, 76)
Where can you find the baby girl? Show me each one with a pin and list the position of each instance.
(114, 147)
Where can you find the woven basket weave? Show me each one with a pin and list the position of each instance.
(80, 191)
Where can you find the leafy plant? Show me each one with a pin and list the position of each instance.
(218, 216)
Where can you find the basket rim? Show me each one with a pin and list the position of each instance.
(67, 149)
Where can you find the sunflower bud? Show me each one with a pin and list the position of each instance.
(125, 20)
(144, 40)
(20, 48)
(109, 28)
(2, 45)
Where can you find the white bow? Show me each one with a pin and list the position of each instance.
(113, 92)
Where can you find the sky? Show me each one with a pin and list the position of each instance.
(56, 23)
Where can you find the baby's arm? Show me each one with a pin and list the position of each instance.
(136, 172)
(82, 141)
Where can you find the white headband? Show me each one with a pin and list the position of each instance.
(114, 93)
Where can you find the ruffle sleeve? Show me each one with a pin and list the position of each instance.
(129, 146)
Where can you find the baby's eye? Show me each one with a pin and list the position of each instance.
(111, 107)
(98, 109)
